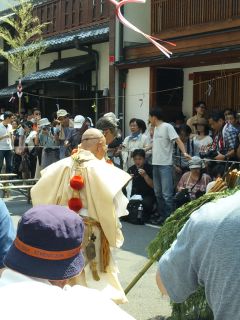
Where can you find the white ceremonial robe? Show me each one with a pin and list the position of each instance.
(103, 201)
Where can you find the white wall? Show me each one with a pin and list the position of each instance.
(188, 84)
(46, 59)
(138, 14)
(69, 53)
(103, 50)
(137, 95)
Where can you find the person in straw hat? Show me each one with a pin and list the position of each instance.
(46, 253)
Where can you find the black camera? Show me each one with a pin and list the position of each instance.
(209, 154)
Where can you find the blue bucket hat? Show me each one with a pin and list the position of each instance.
(48, 244)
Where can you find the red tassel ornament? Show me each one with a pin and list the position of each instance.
(109, 161)
(77, 182)
(75, 204)
(74, 151)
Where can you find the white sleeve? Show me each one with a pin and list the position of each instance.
(172, 133)
(120, 202)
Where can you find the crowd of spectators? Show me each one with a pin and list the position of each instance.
(163, 158)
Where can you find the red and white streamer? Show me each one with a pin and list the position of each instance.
(128, 24)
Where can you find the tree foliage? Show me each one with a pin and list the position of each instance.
(23, 34)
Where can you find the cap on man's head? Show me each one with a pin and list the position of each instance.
(62, 113)
(48, 244)
(78, 121)
(195, 163)
(44, 122)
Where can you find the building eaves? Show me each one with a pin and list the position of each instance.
(62, 69)
(161, 58)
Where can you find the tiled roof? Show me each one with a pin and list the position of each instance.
(62, 69)
(66, 40)
(58, 70)
(95, 33)
(7, 92)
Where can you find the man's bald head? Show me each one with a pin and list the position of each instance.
(93, 140)
(92, 134)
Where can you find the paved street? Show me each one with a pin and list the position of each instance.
(145, 301)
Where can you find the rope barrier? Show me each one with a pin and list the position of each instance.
(213, 160)
(129, 95)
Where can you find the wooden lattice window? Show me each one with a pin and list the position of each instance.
(102, 7)
(220, 89)
(74, 11)
(66, 14)
(80, 12)
(94, 8)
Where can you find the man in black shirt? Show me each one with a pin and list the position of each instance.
(142, 183)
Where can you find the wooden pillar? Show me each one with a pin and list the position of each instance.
(153, 88)
(112, 27)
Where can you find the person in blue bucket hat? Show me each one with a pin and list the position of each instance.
(46, 253)
(7, 232)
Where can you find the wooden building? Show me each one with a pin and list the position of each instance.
(74, 68)
(205, 64)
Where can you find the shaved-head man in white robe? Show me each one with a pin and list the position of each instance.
(103, 202)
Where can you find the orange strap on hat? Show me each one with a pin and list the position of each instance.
(44, 254)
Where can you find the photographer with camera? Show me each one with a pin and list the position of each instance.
(193, 184)
(46, 139)
(142, 182)
(224, 139)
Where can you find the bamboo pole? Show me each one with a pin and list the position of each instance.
(143, 271)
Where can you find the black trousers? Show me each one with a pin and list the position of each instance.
(148, 204)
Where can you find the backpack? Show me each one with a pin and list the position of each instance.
(133, 216)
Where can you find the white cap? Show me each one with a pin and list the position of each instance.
(78, 121)
(62, 113)
(43, 122)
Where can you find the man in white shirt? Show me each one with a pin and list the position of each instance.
(45, 254)
(6, 141)
(162, 161)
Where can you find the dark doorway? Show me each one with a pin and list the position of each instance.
(169, 87)
(3, 75)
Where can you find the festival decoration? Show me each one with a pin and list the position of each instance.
(74, 151)
(75, 204)
(19, 89)
(12, 99)
(129, 25)
(77, 182)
